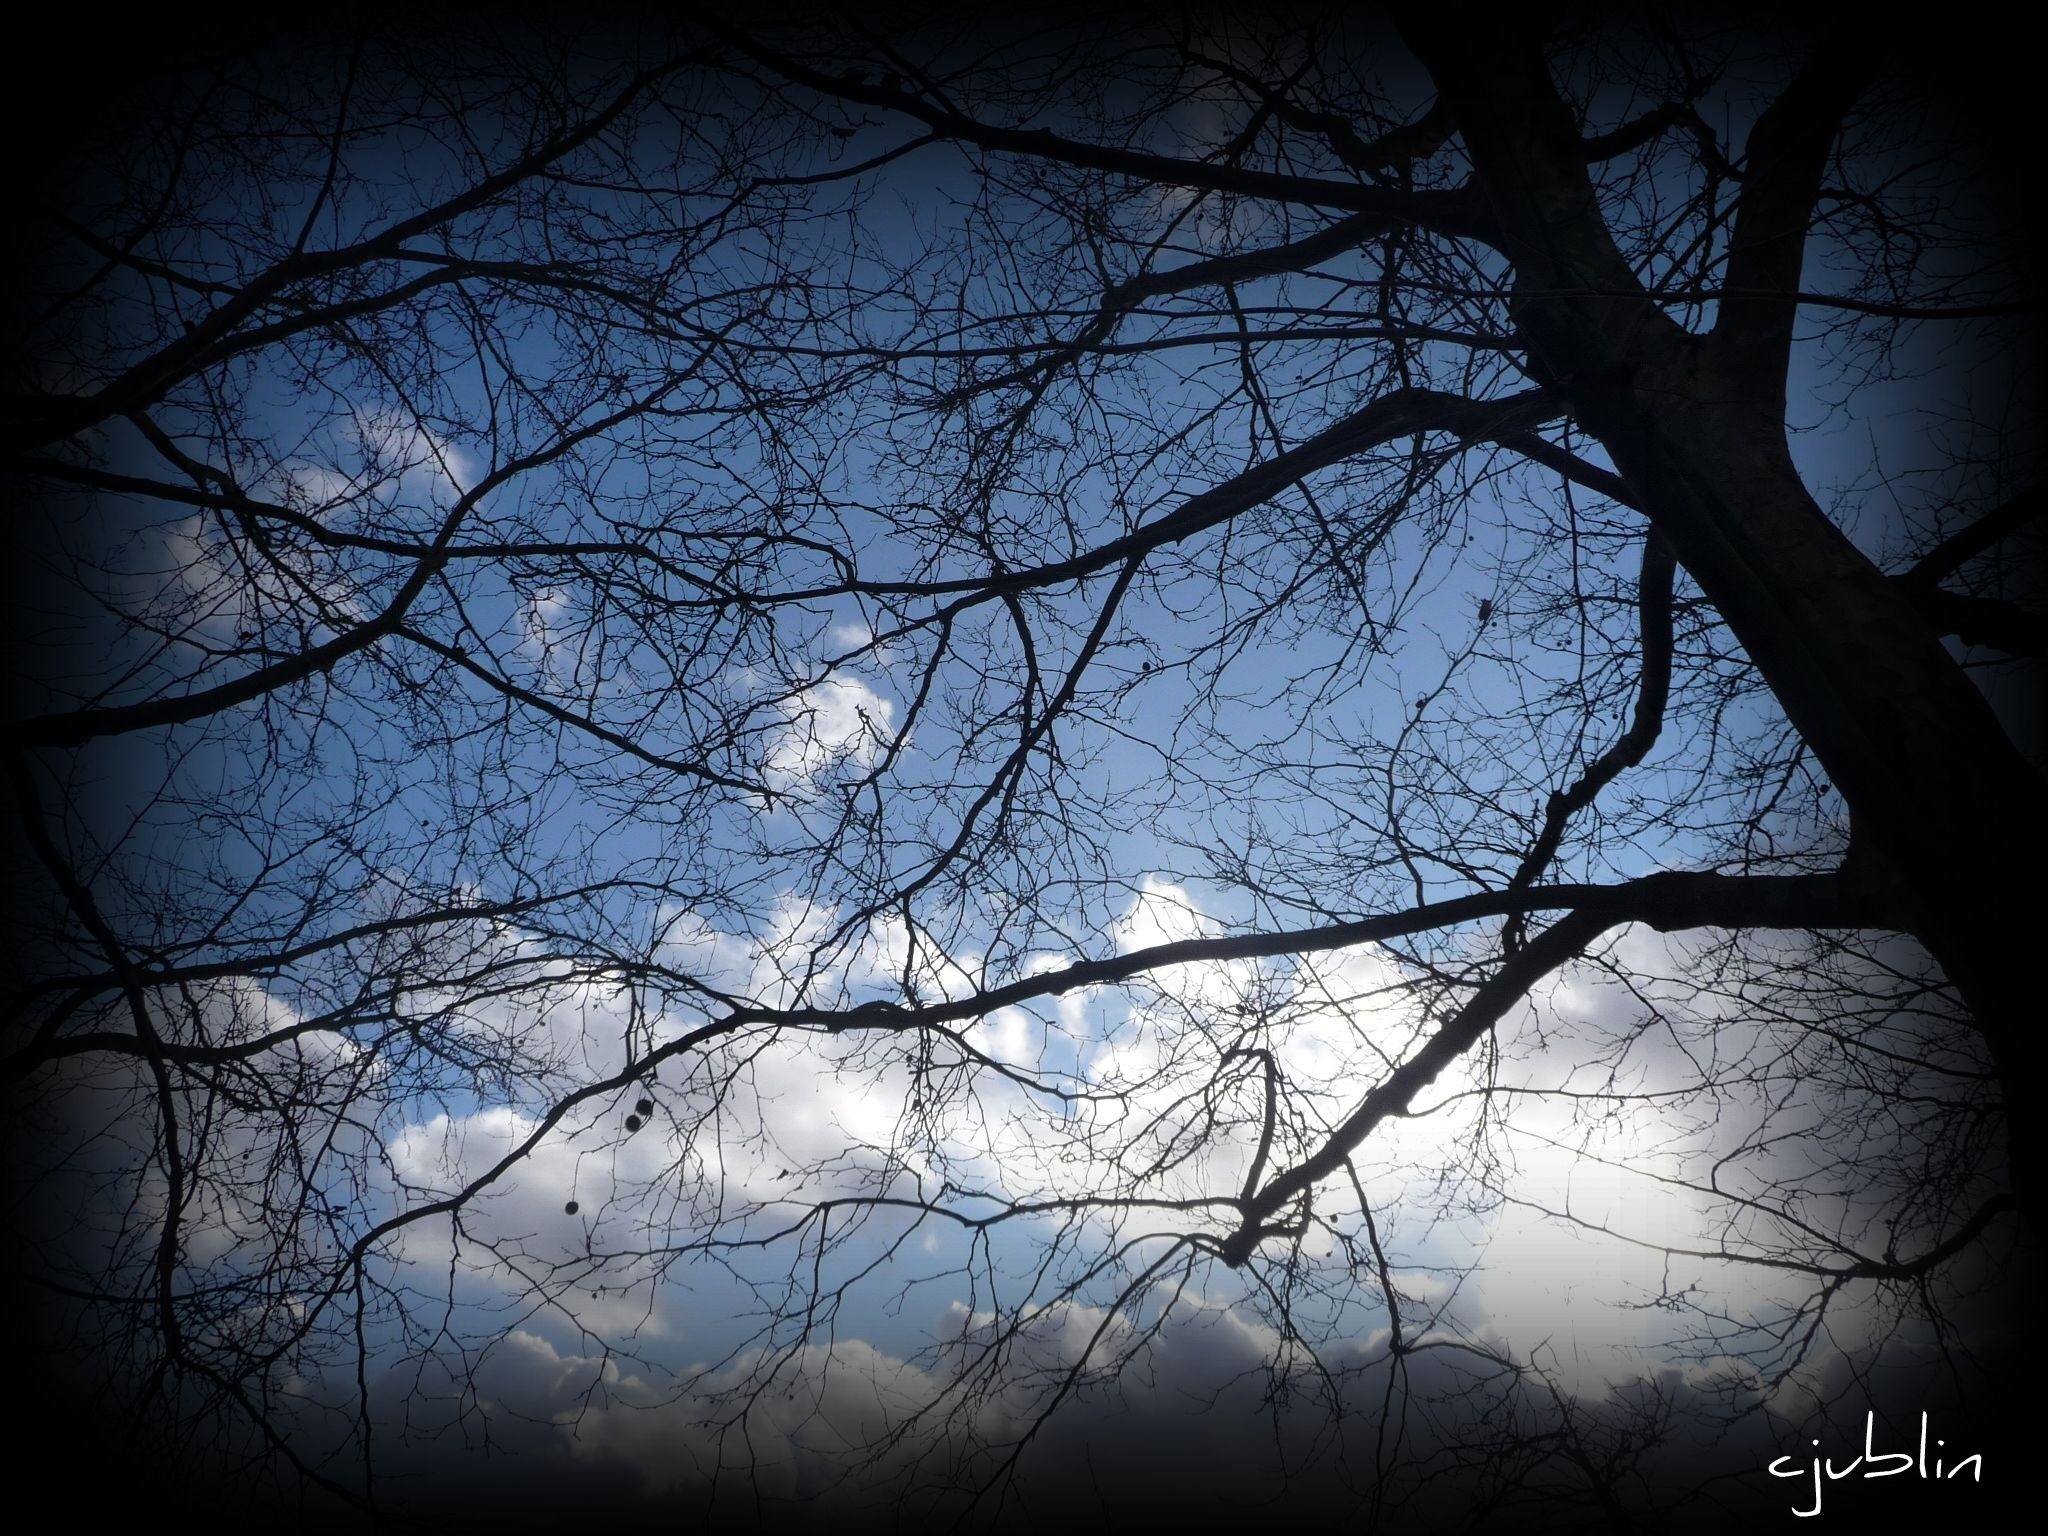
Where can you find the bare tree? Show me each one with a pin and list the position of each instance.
(1088, 677)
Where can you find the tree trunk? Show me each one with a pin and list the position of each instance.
(1941, 800)
(1942, 803)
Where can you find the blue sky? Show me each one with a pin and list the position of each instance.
(1178, 765)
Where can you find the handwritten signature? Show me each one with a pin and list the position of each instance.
(1895, 1463)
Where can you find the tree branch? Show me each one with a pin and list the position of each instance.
(1786, 158)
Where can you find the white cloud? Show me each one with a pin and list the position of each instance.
(834, 725)
(416, 457)
(836, 1106)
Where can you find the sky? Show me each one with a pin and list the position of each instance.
(485, 1393)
